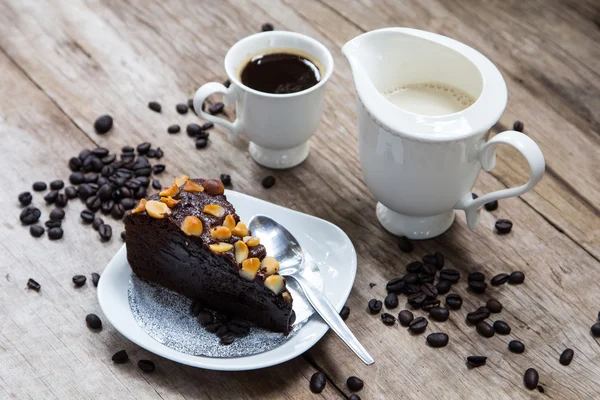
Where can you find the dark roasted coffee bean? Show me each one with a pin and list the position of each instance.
(425, 277)
(354, 396)
(25, 198)
(123, 236)
(439, 259)
(595, 329)
(105, 192)
(388, 319)
(476, 361)
(57, 214)
(143, 148)
(354, 383)
(100, 152)
(416, 299)
(222, 330)
(518, 126)
(375, 306)
(429, 259)
(120, 357)
(155, 106)
(429, 269)
(173, 129)
(501, 327)
(239, 328)
(443, 286)
(190, 104)
(93, 322)
(71, 192)
(85, 191)
(454, 301)
(158, 168)
(317, 382)
(485, 329)
(540, 388)
(196, 307)
(105, 232)
(95, 279)
(492, 205)
(205, 317)
(140, 192)
(83, 154)
(108, 159)
(345, 313)
(127, 204)
(476, 276)
(516, 346)
(146, 171)
(438, 339)
(227, 83)
(107, 171)
(411, 277)
(159, 153)
(32, 284)
(477, 287)
(107, 206)
(405, 244)
(87, 216)
(531, 378)
(494, 305)
(127, 149)
(474, 196)
(391, 301)
(396, 285)
(405, 317)
(201, 143)
(267, 27)
(97, 222)
(51, 196)
(227, 338)
(76, 178)
(151, 153)
(268, 182)
(55, 233)
(146, 365)
(566, 357)
(418, 325)
(414, 267)
(102, 181)
(429, 304)
(225, 179)
(503, 226)
(127, 157)
(216, 108)
(57, 184)
(95, 165)
(429, 290)
(61, 200)
(36, 230)
(479, 315)
(499, 279)
(93, 203)
(79, 280)
(207, 125)
(118, 211)
(213, 328)
(451, 275)
(53, 224)
(133, 184)
(39, 186)
(193, 130)
(181, 108)
(439, 314)
(516, 277)
(411, 288)
(103, 124)
(74, 164)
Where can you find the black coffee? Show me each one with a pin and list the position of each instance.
(280, 73)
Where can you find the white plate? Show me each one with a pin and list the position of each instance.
(327, 244)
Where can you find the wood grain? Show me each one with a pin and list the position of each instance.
(114, 56)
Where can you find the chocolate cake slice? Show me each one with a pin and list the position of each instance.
(188, 238)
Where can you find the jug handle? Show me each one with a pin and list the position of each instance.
(487, 156)
(229, 97)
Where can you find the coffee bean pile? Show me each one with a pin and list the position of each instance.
(226, 328)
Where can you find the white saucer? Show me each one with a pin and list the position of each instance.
(327, 244)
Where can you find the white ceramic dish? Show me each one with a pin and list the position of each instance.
(327, 244)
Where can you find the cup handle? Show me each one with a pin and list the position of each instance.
(487, 156)
(229, 97)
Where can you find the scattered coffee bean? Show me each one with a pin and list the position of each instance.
(439, 314)
(405, 244)
(494, 305)
(516, 278)
(79, 280)
(193, 130)
(226, 179)
(518, 126)
(127, 203)
(388, 319)
(474, 196)
(87, 216)
(501, 327)
(103, 124)
(429, 259)
(239, 328)
(476, 276)
(531, 378)
(207, 125)
(36, 230)
(158, 168)
(540, 388)
(317, 382)
(181, 108)
(93, 321)
(109, 159)
(53, 224)
(25, 198)
(143, 148)
(429, 290)
(120, 357)
(216, 108)
(190, 104)
(454, 301)
(123, 236)
(418, 325)
(146, 365)
(155, 106)
(443, 286)
(499, 279)
(429, 304)
(412, 278)
(268, 182)
(32, 284)
(416, 299)
(76, 178)
(405, 317)
(372, 285)
(414, 267)
(95, 279)
(227, 338)
(438, 339)
(201, 143)
(30, 215)
(105, 232)
(477, 287)
(439, 259)
(97, 222)
(492, 205)
(375, 306)
(57, 214)
(503, 226)
(485, 329)
(516, 346)
(205, 317)
(267, 27)
(595, 329)
(51, 196)
(391, 301)
(71, 192)
(566, 357)
(55, 233)
(451, 275)
(173, 129)
(476, 361)
(90, 177)
(479, 315)
(345, 313)
(57, 184)
(39, 186)
(93, 203)
(354, 383)
(61, 200)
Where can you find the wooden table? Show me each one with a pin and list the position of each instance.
(66, 62)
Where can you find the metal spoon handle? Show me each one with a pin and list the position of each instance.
(325, 309)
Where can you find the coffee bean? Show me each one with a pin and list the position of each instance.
(86, 191)
(479, 315)
(216, 108)
(196, 307)
(516, 278)
(127, 149)
(103, 124)
(105, 192)
(133, 184)
(108, 159)
(476, 276)
(143, 148)
(201, 143)
(429, 269)
(193, 130)
(411, 288)
(239, 328)
(181, 108)
(268, 182)
(76, 178)
(39, 186)
(57, 214)
(83, 154)
(71, 192)
(477, 287)
(485, 329)
(354, 396)
(102, 181)
(61, 200)
(93, 322)
(345, 313)
(25, 198)
(518, 126)
(425, 277)
(105, 232)
(375, 306)
(213, 328)
(414, 267)
(405, 317)
(566, 357)
(222, 330)
(438, 339)
(429, 304)
(32, 284)
(158, 168)
(540, 388)
(205, 317)
(411, 277)
(388, 319)
(492, 205)
(159, 153)
(140, 192)
(454, 301)
(107, 206)
(207, 125)
(429, 290)
(146, 365)
(55, 233)
(155, 106)
(36, 230)
(93, 203)
(476, 361)
(391, 301)
(317, 382)
(127, 203)
(451, 275)
(120, 357)
(429, 259)
(474, 196)
(267, 27)
(418, 325)
(439, 314)
(405, 244)
(494, 305)
(118, 211)
(53, 224)
(443, 286)
(87, 216)
(123, 235)
(516, 346)
(173, 129)
(499, 279)
(372, 285)
(595, 329)
(416, 299)
(57, 184)
(531, 378)
(503, 226)
(51, 196)
(95, 279)
(79, 280)
(501, 327)
(354, 383)
(225, 179)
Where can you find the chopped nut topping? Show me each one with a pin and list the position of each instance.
(241, 251)
(140, 207)
(192, 226)
(170, 192)
(169, 201)
(240, 230)
(251, 241)
(182, 180)
(156, 209)
(221, 247)
(250, 268)
(193, 187)
(269, 266)
(287, 297)
(220, 232)
(276, 283)
(214, 186)
(229, 221)
(214, 209)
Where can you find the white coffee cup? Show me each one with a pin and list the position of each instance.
(420, 167)
(277, 125)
